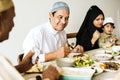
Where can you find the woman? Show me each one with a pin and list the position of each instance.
(90, 29)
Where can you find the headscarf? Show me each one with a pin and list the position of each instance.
(5, 4)
(91, 15)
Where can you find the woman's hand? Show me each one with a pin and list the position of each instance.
(78, 48)
(95, 37)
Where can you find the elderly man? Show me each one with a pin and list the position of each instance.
(7, 14)
(49, 40)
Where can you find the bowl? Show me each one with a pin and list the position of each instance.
(116, 48)
(103, 57)
(70, 73)
(64, 62)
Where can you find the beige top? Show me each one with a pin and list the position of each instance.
(5, 4)
(104, 40)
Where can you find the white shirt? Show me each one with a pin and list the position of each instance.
(8, 71)
(45, 39)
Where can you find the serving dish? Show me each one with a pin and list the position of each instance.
(110, 66)
(82, 60)
(84, 73)
(98, 70)
(102, 57)
(115, 50)
(65, 62)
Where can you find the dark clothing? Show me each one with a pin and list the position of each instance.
(84, 39)
(87, 29)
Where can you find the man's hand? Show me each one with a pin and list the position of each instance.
(26, 63)
(51, 73)
(62, 51)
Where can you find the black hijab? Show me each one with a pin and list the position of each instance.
(87, 28)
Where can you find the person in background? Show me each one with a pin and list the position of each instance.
(49, 40)
(107, 38)
(90, 29)
(7, 13)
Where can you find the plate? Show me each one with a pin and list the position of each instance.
(116, 48)
(110, 66)
(102, 57)
(98, 70)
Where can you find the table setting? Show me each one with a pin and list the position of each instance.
(90, 65)
(108, 60)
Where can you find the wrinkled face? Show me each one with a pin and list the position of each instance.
(98, 22)
(108, 29)
(60, 19)
(6, 23)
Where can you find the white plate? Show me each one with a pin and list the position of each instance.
(102, 57)
(97, 70)
(116, 48)
(109, 70)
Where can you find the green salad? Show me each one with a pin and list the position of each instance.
(82, 60)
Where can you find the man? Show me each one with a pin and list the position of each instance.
(7, 14)
(49, 40)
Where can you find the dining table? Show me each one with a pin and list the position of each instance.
(105, 75)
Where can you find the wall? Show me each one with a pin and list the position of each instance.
(30, 13)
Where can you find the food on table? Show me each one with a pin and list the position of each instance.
(114, 53)
(37, 68)
(115, 50)
(82, 60)
(109, 47)
(102, 66)
(108, 51)
(103, 57)
(110, 65)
